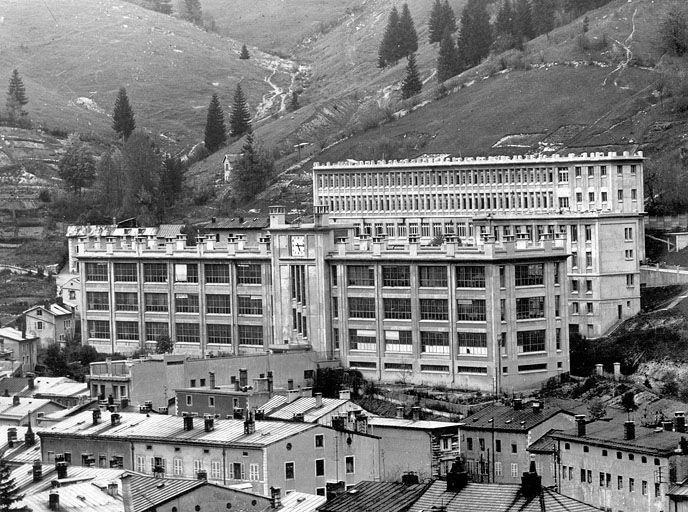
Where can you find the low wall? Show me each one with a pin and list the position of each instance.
(662, 276)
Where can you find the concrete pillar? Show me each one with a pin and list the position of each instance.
(599, 370)
(617, 371)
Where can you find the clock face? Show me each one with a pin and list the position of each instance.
(298, 245)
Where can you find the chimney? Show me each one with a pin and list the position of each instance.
(29, 437)
(270, 382)
(536, 407)
(112, 488)
(96, 416)
(15, 400)
(580, 422)
(32, 380)
(290, 384)
(410, 478)
(37, 470)
(278, 216)
(400, 411)
(243, 377)
(345, 394)
(123, 402)
(299, 417)
(518, 404)
(668, 425)
(115, 418)
(293, 394)
(202, 474)
(249, 425)
(361, 423)
(629, 430)
(188, 422)
(531, 482)
(276, 497)
(211, 380)
(318, 400)
(11, 436)
(457, 478)
(61, 468)
(415, 412)
(54, 500)
(238, 413)
(680, 421)
(209, 422)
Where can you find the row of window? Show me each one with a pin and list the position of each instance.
(236, 470)
(605, 480)
(183, 303)
(441, 368)
(246, 273)
(186, 332)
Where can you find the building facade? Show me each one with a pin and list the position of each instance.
(595, 199)
(53, 323)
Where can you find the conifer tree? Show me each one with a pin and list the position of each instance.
(408, 38)
(543, 16)
(448, 17)
(9, 493)
(16, 96)
(523, 21)
(252, 172)
(193, 12)
(475, 33)
(122, 116)
(435, 25)
(244, 55)
(448, 59)
(215, 130)
(240, 117)
(411, 84)
(504, 23)
(388, 53)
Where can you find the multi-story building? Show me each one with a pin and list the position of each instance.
(617, 466)
(289, 455)
(16, 345)
(596, 199)
(53, 323)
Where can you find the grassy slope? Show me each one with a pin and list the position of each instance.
(68, 49)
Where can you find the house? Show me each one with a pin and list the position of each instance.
(62, 390)
(495, 440)
(69, 290)
(258, 454)
(623, 466)
(17, 346)
(15, 410)
(228, 165)
(312, 409)
(426, 447)
(53, 323)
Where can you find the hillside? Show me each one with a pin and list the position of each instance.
(75, 54)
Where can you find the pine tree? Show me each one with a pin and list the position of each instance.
(448, 59)
(475, 33)
(412, 84)
(435, 24)
(251, 173)
(122, 116)
(543, 16)
(523, 21)
(408, 38)
(504, 24)
(215, 130)
(389, 53)
(240, 117)
(9, 493)
(193, 12)
(244, 53)
(171, 179)
(448, 17)
(16, 96)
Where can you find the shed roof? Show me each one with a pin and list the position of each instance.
(375, 497)
(377, 422)
(278, 408)
(506, 418)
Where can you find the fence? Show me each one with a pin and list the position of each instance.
(657, 275)
(667, 222)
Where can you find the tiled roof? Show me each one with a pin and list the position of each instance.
(23, 477)
(26, 405)
(163, 427)
(23, 454)
(495, 498)
(149, 492)
(409, 423)
(375, 497)
(13, 385)
(236, 223)
(544, 444)
(279, 409)
(507, 418)
(611, 434)
(13, 334)
(84, 496)
(169, 230)
(301, 502)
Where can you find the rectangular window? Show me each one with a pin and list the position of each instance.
(216, 273)
(498, 469)
(563, 174)
(434, 309)
(125, 272)
(470, 310)
(396, 276)
(350, 467)
(319, 441)
(99, 329)
(529, 275)
(215, 470)
(643, 487)
(186, 303)
(140, 463)
(574, 285)
(588, 259)
(178, 466)
(588, 232)
(619, 483)
(188, 333)
(591, 171)
(186, 272)
(514, 470)
(577, 171)
(361, 307)
(432, 276)
(156, 302)
(470, 277)
(434, 342)
(248, 273)
(248, 305)
(361, 339)
(254, 472)
(238, 473)
(603, 170)
(631, 485)
(217, 304)
(156, 330)
(335, 307)
(397, 309)
(530, 307)
(126, 301)
(96, 272)
(472, 343)
(589, 308)
(127, 330)
(530, 341)
(97, 301)
(250, 334)
(360, 275)
(155, 272)
(398, 341)
(628, 234)
(319, 467)
(220, 333)
(289, 471)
